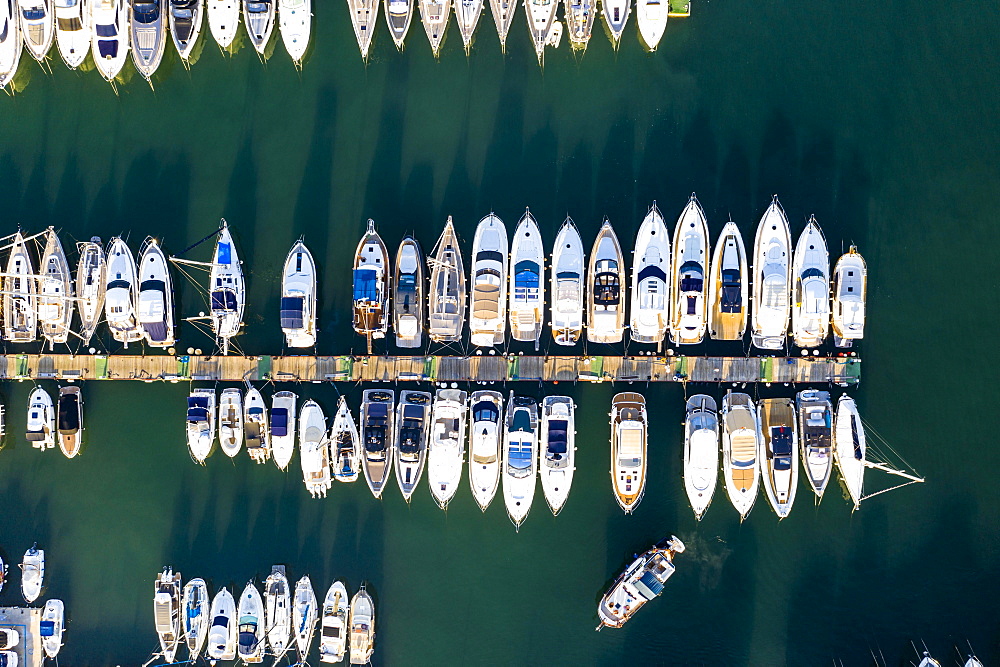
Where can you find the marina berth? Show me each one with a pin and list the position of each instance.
(408, 297)
(641, 582)
(148, 30)
(37, 27)
(541, 17)
(295, 24)
(10, 42)
(772, 266)
(201, 424)
(90, 286)
(503, 15)
(52, 626)
(195, 607)
(19, 301)
(362, 627)
(850, 448)
(228, 291)
(779, 441)
(258, 17)
(520, 458)
(527, 292)
(728, 291)
(446, 311)
(255, 426)
(580, 16)
(413, 418)
(557, 452)
(121, 293)
(651, 269)
(446, 450)
(616, 13)
(277, 611)
(849, 287)
(230, 422)
(32, 573)
(41, 424)
(222, 636)
(167, 613)
(606, 298)
(364, 16)
(689, 318)
(701, 452)
(816, 436)
(398, 16)
(251, 626)
(155, 309)
(567, 285)
(72, 31)
(282, 428)
(70, 424)
(185, 26)
(371, 286)
(629, 432)
(314, 449)
(485, 442)
(467, 13)
(298, 297)
(333, 626)
(377, 434)
(740, 447)
(55, 292)
(652, 18)
(434, 15)
(111, 36)
(305, 611)
(811, 306)
(223, 21)
(488, 297)
(345, 445)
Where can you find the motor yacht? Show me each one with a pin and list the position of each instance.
(616, 13)
(298, 297)
(110, 37)
(701, 452)
(811, 303)
(606, 298)
(51, 627)
(90, 286)
(258, 17)
(256, 425)
(408, 298)
(527, 291)
(121, 293)
(779, 441)
(557, 451)
(19, 300)
(185, 25)
(377, 434)
(231, 421)
(740, 446)
(629, 426)
(10, 42)
(305, 611)
(148, 33)
(252, 638)
(689, 318)
(156, 296)
(223, 21)
(70, 425)
(816, 437)
(651, 269)
(488, 298)
(398, 15)
(413, 418)
(485, 446)
(371, 286)
(364, 17)
(567, 285)
(282, 428)
(580, 15)
(41, 426)
(362, 627)
(541, 16)
(73, 31)
(467, 13)
(728, 303)
(333, 625)
(772, 265)
(201, 424)
(434, 15)
(167, 612)
(345, 444)
(222, 635)
(446, 312)
(641, 582)
(849, 287)
(278, 611)
(446, 450)
(38, 29)
(55, 292)
(227, 289)
(520, 457)
(295, 24)
(32, 573)
(652, 17)
(314, 449)
(195, 606)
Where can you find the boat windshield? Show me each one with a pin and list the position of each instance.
(223, 299)
(145, 12)
(607, 289)
(69, 417)
(485, 411)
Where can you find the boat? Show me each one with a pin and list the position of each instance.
(41, 425)
(70, 424)
(503, 15)
(223, 21)
(110, 39)
(815, 413)
(314, 449)
(222, 636)
(520, 457)
(258, 17)
(776, 424)
(446, 309)
(605, 302)
(972, 660)
(740, 445)
(728, 302)
(251, 626)
(371, 286)
(849, 287)
(72, 31)
(927, 661)
(446, 450)
(3, 573)
(362, 627)
(295, 24)
(434, 15)
(527, 293)
(195, 606)
(580, 15)
(19, 313)
(408, 298)
(689, 318)
(148, 33)
(228, 292)
(345, 444)
(557, 451)
(38, 29)
(305, 610)
(652, 18)
(413, 418)
(121, 293)
(629, 428)
(51, 627)
(231, 421)
(10, 42)
(364, 17)
(485, 446)
(156, 296)
(772, 263)
(811, 305)
(567, 285)
(616, 13)
(541, 16)
(201, 424)
(641, 582)
(167, 612)
(255, 426)
(282, 428)
(298, 297)
(377, 432)
(32, 573)
(278, 610)
(185, 26)
(467, 13)
(701, 452)
(488, 298)
(398, 14)
(333, 626)
(90, 286)
(651, 269)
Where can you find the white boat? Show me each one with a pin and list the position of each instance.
(19, 312)
(371, 286)
(156, 296)
(51, 627)
(972, 661)
(408, 298)
(527, 291)
(121, 293)
(629, 432)
(927, 661)
(815, 413)
(362, 627)
(364, 18)
(488, 298)
(222, 636)
(485, 443)
(413, 418)
(167, 612)
(701, 452)
(185, 25)
(110, 39)
(90, 286)
(32, 573)
(298, 297)
(811, 305)
(295, 24)
(850, 448)
(849, 287)
(228, 292)
(305, 611)
(231, 421)
(446, 450)
(446, 308)
(398, 15)
(223, 21)
(616, 13)
(580, 15)
(557, 451)
(333, 626)
(38, 28)
(652, 18)
(503, 15)
(541, 16)
(651, 269)
(520, 457)
(69, 412)
(728, 303)
(256, 425)
(377, 435)
(252, 638)
(345, 444)
(282, 428)
(201, 424)
(314, 449)
(195, 619)
(567, 285)
(148, 33)
(72, 31)
(776, 424)
(10, 42)
(467, 13)
(772, 266)
(41, 427)
(258, 17)
(689, 317)
(55, 292)
(278, 611)
(740, 446)
(641, 582)
(434, 15)
(606, 294)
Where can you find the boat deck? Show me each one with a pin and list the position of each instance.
(27, 622)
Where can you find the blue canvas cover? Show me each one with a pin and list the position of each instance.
(225, 254)
(47, 628)
(279, 422)
(652, 272)
(365, 285)
(649, 585)
(557, 436)
(291, 311)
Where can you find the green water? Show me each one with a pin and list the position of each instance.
(880, 118)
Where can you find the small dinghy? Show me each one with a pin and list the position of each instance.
(155, 310)
(41, 426)
(520, 457)
(166, 612)
(70, 425)
(110, 37)
(314, 449)
(701, 452)
(333, 628)
(72, 31)
(224, 21)
(377, 435)
(255, 426)
(446, 451)
(150, 19)
(195, 607)
(55, 292)
(488, 298)
(231, 422)
(298, 297)
(258, 16)
(51, 627)
(567, 285)
(485, 440)
(121, 293)
(362, 627)
(19, 312)
(305, 610)
(408, 297)
(641, 582)
(185, 26)
(345, 444)
(90, 286)
(295, 24)
(278, 611)
(413, 418)
(250, 613)
(222, 637)
(32, 573)
(606, 298)
(201, 424)
(651, 268)
(398, 15)
(38, 28)
(282, 428)
(10, 42)
(557, 453)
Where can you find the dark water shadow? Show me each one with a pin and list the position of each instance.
(615, 176)
(505, 156)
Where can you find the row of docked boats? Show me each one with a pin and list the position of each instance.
(62, 421)
(51, 624)
(282, 620)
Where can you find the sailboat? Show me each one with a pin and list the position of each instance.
(503, 15)
(333, 625)
(201, 424)
(541, 16)
(295, 24)
(377, 434)
(314, 449)
(629, 432)
(467, 14)
(255, 426)
(167, 613)
(156, 295)
(19, 312)
(222, 636)
(298, 297)
(567, 285)
(772, 275)
(408, 298)
(740, 447)
(110, 39)
(434, 15)
(816, 437)
(282, 428)
(364, 16)
(148, 29)
(345, 444)
(121, 294)
(90, 286)
(728, 305)
(278, 611)
(616, 13)
(362, 627)
(413, 419)
(606, 298)
(527, 291)
(557, 451)
(446, 449)
(446, 310)
(55, 292)
(227, 289)
(811, 305)
(489, 283)
(701, 452)
(10, 42)
(195, 607)
(651, 269)
(231, 421)
(371, 286)
(37, 27)
(72, 31)
(689, 318)
(398, 15)
(305, 611)
(776, 424)
(580, 15)
(258, 17)
(652, 18)
(849, 287)
(485, 446)
(520, 457)
(223, 21)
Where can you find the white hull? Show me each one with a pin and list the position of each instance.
(54, 614)
(729, 288)
(580, 15)
(362, 627)
(55, 292)
(371, 286)
(778, 456)
(201, 424)
(377, 438)
(772, 265)
(32, 573)
(314, 450)
(282, 428)
(256, 426)
(298, 297)
(567, 285)
(121, 294)
(345, 445)
(413, 416)
(467, 13)
(222, 635)
(148, 33)
(156, 296)
(73, 32)
(295, 24)
(815, 413)
(850, 284)
(527, 290)
(652, 18)
(616, 13)
(231, 422)
(811, 305)
(90, 286)
(488, 284)
(541, 16)
(110, 39)
(446, 452)
(333, 624)
(195, 607)
(520, 457)
(434, 15)
(606, 289)
(167, 612)
(224, 21)
(701, 452)
(259, 24)
(278, 611)
(485, 457)
(629, 428)
(689, 276)
(850, 448)
(305, 612)
(740, 449)
(250, 617)
(364, 16)
(398, 16)
(10, 45)
(20, 324)
(446, 311)
(557, 452)
(503, 15)
(408, 298)
(37, 27)
(185, 26)
(227, 290)
(651, 269)
(41, 423)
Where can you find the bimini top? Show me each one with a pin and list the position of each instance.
(630, 446)
(223, 299)
(68, 414)
(197, 409)
(365, 285)
(731, 300)
(291, 311)
(279, 422)
(409, 432)
(375, 428)
(557, 436)
(649, 586)
(781, 444)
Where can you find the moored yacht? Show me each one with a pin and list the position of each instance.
(629, 425)
(298, 297)
(527, 291)
(52, 625)
(615, 13)
(377, 432)
(10, 42)
(222, 635)
(41, 425)
(689, 317)
(850, 448)
(121, 294)
(446, 448)
(772, 266)
(776, 424)
(701, 452)
(651, 269)
(110, 37)
(277, 611)
(72, 31)
(19, 312)
(606, 298)
(467, 13)
(185, 25)
(520, 459)
(580, 15)
(167, 612)
(446, 312)
(567, 281)
(811, 305)
(195, 607)
(148, 29)
(345, 444)
(557, 451)
(652, 18)
(230, 421)
(364, 16)
(728, 304)
(541, 17)
(398, 15)
(282, 428)
(434, 15)
(408, 297)
(305, 611)
(90, 286)
(816, 437)
(489, 283)
(503, 15)
(740, 447)
(255, 426)
(333, 624)
(413, 418)
(485, 442)
(156, 296)
(849, 286)
(371, 286)
(641, 582)
(32, 573)
(223, 21)
(362, 627)
(37, 27)
(70, 424)
(55, 292)
(252, 641)
(258, 17)
(295, 24)
(227, 288)
(201, 424)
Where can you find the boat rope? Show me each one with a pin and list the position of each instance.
(891, 488)
(880, 442)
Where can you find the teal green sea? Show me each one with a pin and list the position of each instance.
(878, 117)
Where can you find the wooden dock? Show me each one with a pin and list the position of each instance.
(476, 368)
